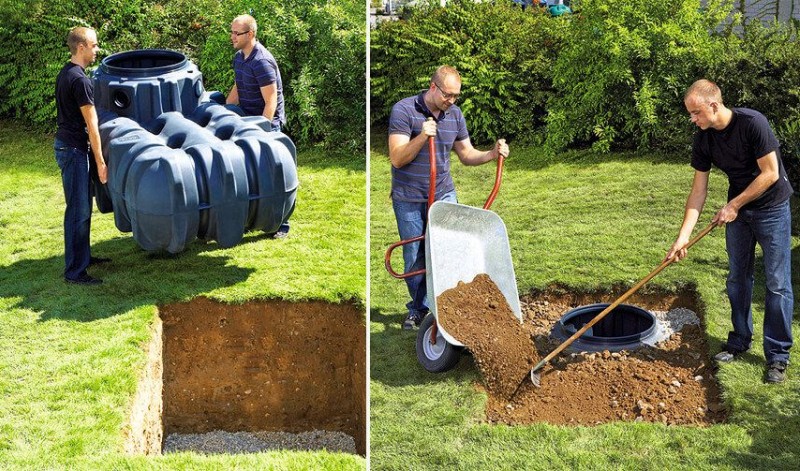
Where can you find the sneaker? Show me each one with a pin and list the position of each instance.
(84, 280)
(280, 235)
(98, 260)
(726, 356)
(413, 319)
(776, 372)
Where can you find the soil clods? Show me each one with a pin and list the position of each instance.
(672, 382)
(478, 315)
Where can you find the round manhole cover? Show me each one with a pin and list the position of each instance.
(625, 328)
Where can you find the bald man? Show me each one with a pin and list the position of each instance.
(740, 142)
(78, 135)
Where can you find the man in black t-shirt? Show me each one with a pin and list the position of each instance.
(740, 142)
(77, 129)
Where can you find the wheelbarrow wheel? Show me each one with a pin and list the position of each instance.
(439, 357)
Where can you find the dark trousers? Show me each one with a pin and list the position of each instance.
(771, 229)
(74, 165)
(412, 219)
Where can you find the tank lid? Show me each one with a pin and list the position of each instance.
(143, 62)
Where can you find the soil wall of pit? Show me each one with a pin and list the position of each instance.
(272, 366)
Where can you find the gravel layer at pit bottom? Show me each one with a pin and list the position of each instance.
(253, 442)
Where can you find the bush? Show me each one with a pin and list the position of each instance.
(38, 30)
(760, 69)
(621, 76)
(504, 56)
(319, 45)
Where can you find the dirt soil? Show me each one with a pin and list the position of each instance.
(478, 315)
(264, 366)
(672, 383)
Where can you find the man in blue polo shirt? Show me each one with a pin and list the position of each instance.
(409, 130)
(258, 89)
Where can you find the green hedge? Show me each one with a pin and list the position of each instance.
(319, 45)
(612, 75)
(504, 56)
(762, 71)
(622, 75)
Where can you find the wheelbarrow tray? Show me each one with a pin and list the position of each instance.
(462, 242)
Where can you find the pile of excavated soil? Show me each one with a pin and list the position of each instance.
(672, 382)
(478, 315)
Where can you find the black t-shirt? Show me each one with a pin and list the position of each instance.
(73, 90)
(736, 149)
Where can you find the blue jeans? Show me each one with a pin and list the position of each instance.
(412, 218)
(771, 229)
(285, 226)
(74, 165)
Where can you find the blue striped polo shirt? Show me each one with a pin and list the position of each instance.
(258, 70)
(412, 181)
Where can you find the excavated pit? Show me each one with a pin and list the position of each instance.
(671, 381)
(265, 375)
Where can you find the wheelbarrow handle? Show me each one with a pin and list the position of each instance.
(620, 300)
(387, 258)
(432, 162)
(498, 179)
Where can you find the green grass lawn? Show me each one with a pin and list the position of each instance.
(587, 222)
(70, 356)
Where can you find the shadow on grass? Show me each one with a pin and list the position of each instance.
(134, 278)
(774, 435)
(774, 417)
(393, 358)
(319, 158)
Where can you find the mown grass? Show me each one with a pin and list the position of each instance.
(587, 222)
(70, 356)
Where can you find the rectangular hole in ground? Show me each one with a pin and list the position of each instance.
(252, 377)
(673, 382)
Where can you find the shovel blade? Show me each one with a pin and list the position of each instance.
(536, 378)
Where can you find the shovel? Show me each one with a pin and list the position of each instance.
(535, 377)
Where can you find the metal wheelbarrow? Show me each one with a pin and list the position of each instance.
(460, 243)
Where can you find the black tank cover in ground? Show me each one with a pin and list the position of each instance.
(627, 327)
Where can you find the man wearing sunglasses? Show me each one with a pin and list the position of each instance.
(431, 113)
(258, 88)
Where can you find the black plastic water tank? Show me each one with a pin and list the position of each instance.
(627, 327)
(178, 179)
(181, 166)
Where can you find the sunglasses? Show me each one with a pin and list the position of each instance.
(447, 96)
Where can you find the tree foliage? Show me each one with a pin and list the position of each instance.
(320, 47)
(612, 75)
(504, 56)
(622, 74)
